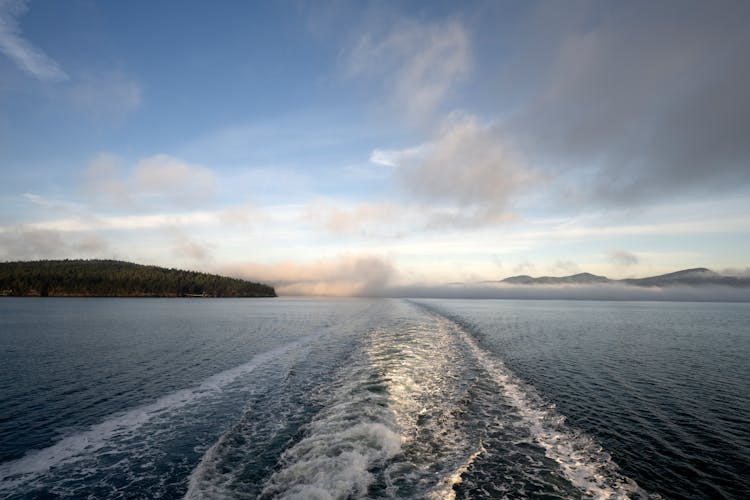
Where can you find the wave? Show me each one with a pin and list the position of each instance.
(80, 446)
(411, 406)
(582, 462)
(389, 423)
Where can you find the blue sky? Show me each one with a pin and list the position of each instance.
(344, 147)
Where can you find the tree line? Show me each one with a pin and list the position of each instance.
(112, 278)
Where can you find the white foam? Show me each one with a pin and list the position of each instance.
(198, 487)
(330, 464)
(82, 445)
(446, 491)
(580, 459)
(359, 430)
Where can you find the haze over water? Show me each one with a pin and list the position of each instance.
(381, 398)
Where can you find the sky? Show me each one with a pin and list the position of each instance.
(342, 148)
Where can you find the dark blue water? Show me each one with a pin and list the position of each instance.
(355, 398)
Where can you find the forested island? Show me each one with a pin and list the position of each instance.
(112, 278)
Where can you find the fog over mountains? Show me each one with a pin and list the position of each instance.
(698, 284)
(691, 277)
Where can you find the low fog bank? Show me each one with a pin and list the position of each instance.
(367, 275)
(702, 293)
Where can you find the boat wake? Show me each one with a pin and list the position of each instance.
(419, 409)
(401, 402)
(111, 446)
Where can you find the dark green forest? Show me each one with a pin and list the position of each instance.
(112, 278)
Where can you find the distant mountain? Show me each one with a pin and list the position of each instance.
(575, 279)
(697, 276)
(694, 277)
(112, 278)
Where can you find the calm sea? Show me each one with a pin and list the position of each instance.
(286, 398)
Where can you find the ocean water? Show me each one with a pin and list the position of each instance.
(360, 398)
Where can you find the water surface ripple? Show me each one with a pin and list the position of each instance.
(372, 399)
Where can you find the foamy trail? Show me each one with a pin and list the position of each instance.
(354, 432)
(580, 459)
(80, 446)
(446, 490)
(390, 423)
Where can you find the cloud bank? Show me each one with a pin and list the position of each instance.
(639, 100)
(706, 293)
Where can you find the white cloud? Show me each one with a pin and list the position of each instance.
(127, 222)
(468, 166)
(466, 176)
(162, 175)
(396, 157)
(157, 180)
(417, 63)
(29, 58)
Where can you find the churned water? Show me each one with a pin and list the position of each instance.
(359, 398)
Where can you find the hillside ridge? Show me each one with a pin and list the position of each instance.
(115, 278)
(694, 276)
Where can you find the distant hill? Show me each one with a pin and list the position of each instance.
(112, 278)
(693, 277)
(697, 276)
(575, 279)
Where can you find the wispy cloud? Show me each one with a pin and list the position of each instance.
(12, 43)
(396, 157)
(127, 222)
(418, 64)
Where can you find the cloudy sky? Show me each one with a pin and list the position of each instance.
(342, 147)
